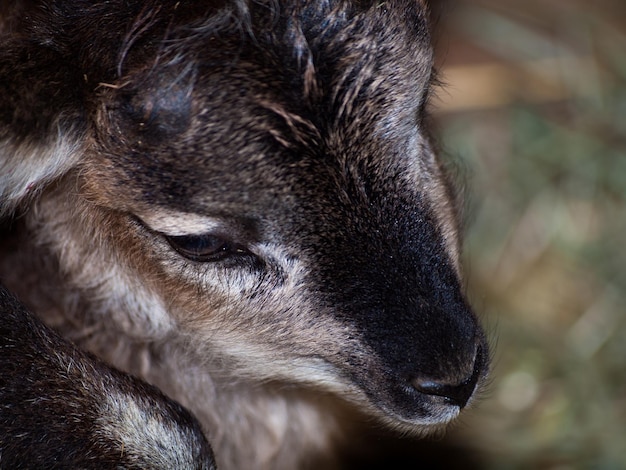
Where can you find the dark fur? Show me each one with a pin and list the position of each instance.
(54, 400)
(299, 130)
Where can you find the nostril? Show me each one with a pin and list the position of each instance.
(455, 393)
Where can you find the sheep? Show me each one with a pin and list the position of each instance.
(239, 203)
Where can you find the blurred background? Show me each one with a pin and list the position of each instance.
(532, 113)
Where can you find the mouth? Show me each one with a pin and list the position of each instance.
(451, 392)
(424, 404)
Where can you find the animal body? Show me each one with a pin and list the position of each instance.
(63, 408)
(239, 203)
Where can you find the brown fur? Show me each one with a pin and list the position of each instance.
(290, 136)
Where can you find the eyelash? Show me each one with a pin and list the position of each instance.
(205, 248)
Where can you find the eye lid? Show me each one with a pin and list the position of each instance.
(207, 247)
(204, 239)
(172, 223)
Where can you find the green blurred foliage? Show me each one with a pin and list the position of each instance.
(545, 254)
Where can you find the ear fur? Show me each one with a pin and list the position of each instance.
(42, 125)
(27, 167)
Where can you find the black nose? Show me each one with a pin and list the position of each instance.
(454, 393)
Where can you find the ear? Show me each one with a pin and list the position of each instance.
(42, 120)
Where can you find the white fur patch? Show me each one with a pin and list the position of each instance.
(179, 223)
(26, 167)
(143, 433)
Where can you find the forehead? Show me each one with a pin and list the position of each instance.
(235, 117)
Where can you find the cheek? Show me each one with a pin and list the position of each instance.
(94, 250)
(266, 321)
(269, 335)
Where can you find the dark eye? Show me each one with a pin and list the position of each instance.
(205, 247)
